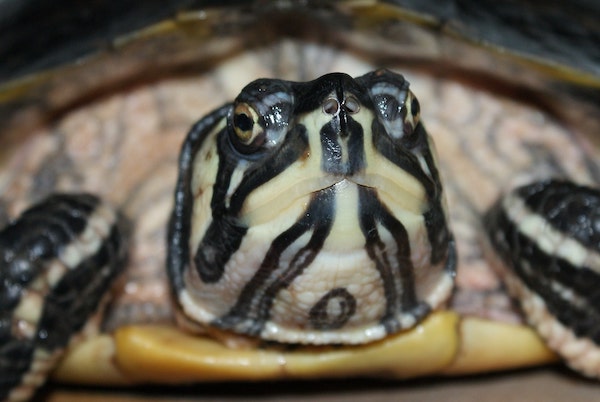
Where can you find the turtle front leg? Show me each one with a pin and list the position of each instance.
(548, 234)
(57, 261)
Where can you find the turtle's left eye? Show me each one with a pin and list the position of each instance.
(249, 134)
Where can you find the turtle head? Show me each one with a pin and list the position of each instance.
(312, 213)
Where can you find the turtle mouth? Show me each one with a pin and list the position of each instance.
(404, 193)
(292, 199)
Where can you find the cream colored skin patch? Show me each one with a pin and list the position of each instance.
(203, 180)
(550, 240)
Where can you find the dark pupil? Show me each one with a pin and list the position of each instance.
(243, 122)
(414, 107)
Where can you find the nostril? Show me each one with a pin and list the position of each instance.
(351, 104)
(331, 106)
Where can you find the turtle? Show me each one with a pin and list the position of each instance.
(161, 353)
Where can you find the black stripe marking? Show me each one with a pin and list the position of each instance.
(178, 253)
(320, 314)
(224, 234)
(331, 149)
(253, 307)
(401, 156)
(293, 147)
(571, 209)
(222, 238)
(396, 271)
(438, 232)
(68, 306)
(15, 359)
(333, 136)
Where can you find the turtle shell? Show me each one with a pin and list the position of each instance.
(109, 119)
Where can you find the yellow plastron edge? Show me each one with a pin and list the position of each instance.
(442, 344)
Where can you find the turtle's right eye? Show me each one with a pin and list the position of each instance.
(243, 125)
(249, 134)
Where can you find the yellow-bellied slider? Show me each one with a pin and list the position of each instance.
(98, 155)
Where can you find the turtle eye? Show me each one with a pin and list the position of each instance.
(399, 112)
(413, 110)
(249, 135)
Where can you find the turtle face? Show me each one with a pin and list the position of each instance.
(311, 213)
